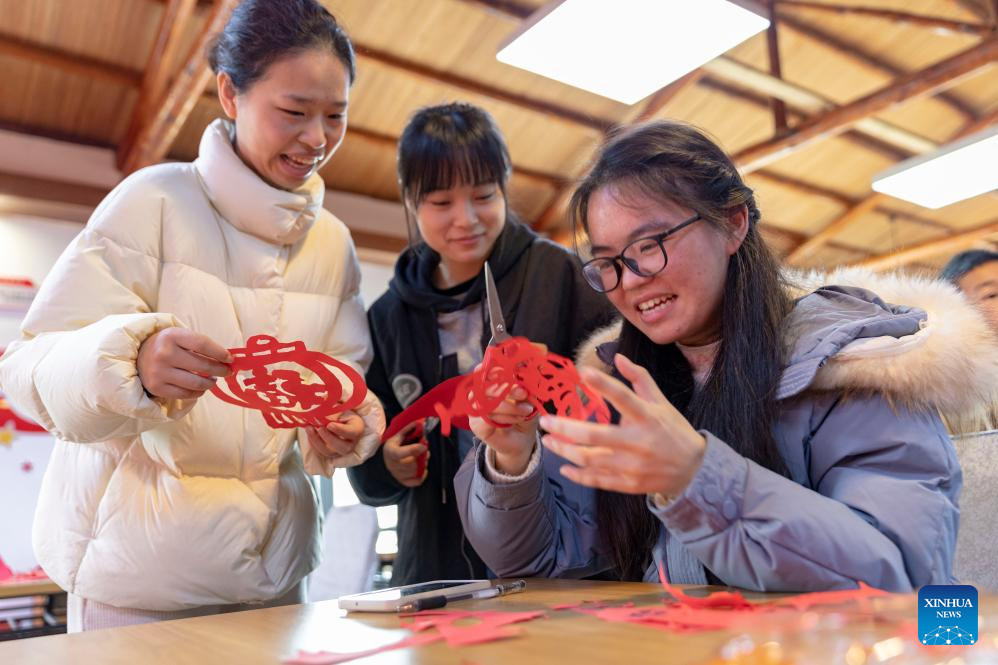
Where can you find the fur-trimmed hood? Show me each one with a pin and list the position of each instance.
(917, 340)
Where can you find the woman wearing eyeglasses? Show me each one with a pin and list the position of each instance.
(765, 437)
(431, 325)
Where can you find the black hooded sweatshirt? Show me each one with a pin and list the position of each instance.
(544, 298)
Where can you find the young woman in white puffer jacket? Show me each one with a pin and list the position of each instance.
(162, 501)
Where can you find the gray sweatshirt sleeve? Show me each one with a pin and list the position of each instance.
(883, 508)
(539, 525)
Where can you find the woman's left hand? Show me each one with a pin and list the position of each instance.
(654, 449)
(338, 437)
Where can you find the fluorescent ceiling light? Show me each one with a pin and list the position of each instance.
(628, 49)
(952, 173)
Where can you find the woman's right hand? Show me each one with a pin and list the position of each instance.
(407, 462)
(513, 445)
(177, 363)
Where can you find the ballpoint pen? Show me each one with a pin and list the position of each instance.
(436, 602)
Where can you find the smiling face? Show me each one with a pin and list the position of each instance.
(682, 303)
(461, 224)
(291, 120)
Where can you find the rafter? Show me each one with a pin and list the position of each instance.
(72, 63)
(932, 248)
(858, 54)
(476, 87)
(936, 22)
(916, 84)
(812, 103)
(556, 208)
(156, 136)
(390, 140)
(870, 203)
(775, 69)
(176, 16)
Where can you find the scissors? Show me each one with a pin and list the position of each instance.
(496, 322)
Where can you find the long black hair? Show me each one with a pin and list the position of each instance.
(445, 145)
(262, 31)
(675, 162)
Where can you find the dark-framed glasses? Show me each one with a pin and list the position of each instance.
(644, 257)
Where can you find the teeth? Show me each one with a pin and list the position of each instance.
(654, 302)
(297, 161)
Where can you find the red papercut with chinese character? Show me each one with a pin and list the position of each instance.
(289, 384)
(547, 377)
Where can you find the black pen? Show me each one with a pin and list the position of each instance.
(436, 602)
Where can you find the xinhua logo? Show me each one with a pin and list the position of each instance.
(947, 614)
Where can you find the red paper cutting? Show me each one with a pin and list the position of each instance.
(333, 658)
(262, 380)
(806, 601)
(547, 378)
(723, 599)
(488, 626)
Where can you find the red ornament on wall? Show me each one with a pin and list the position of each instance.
(269, 376)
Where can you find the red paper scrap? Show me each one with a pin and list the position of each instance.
(282, 394)
(547, 378)
(332, 658)
(488, 626)
(722, 599)
(806, 601)
(8, 576)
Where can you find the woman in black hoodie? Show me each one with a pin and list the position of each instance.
(431, 325)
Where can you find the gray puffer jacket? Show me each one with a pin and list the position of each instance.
(874, 480)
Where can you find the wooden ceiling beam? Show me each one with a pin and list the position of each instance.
(156, 136)
(859, 55)
(949, 245)
(43, 189)
(559, 202)
(174, 22)
(936, 22)
(813, 103)
(478, 88)
(391, 141)
(832, 123)
(806, 188)
(775, 69)
(871, 202)
(71, 63)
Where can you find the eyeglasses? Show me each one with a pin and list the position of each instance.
(644, 257)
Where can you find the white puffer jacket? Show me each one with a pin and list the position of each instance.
(186, 503)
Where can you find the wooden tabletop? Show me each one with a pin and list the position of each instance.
(265, 636)
(32, 588)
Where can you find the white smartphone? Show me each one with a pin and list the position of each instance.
(388, 600)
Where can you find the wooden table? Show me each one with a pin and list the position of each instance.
(265, 636)
(32, 588)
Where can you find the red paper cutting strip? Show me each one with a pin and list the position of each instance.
(280, 393)
(806, 601)
(547, 378)
(722, 599)
(489, 626)
(333, 658)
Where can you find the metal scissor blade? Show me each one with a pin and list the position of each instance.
(496, 322)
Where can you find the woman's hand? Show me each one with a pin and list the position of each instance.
(407, 460)
(339, 437)
(513, 445)
(654, 449)
(177, 363)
